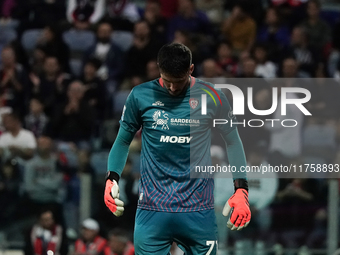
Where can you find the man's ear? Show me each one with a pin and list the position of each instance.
(191, 69)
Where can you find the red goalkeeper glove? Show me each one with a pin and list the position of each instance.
(240, 215)
(111, 195)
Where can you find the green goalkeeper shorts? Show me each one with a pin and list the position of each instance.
(194, 232)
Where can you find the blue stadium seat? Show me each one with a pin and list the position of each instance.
(123, 39)
(29, 38)
(76, 66)
(319, 144)
(7, 35)
(330, 16)
(99, 163)
(119, 99)
(79, 40)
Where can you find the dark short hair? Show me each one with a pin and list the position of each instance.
(174, 59)
(95, 62)
(120, 233)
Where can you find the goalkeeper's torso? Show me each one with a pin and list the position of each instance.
(176, 138)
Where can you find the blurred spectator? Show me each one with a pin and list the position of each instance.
(37, 14)
(110, 55)
(51, 42)
(318, 31)
(4, 110)
(42, 181)
(239, 29)
(210, 69)
(212, 8)
(225, 59)
(334, 57)
(10, 180)
(51, 86)
(7, 7)
(190, 19)
(157, 23)
(36, 120)
(285, 143)
(199, 49)
(248, 69)
(295, 208)
(292, 11)
(91, 10)
(73, 120)
(152, 70)
(264, 67)
(16, 141)
(118, 244)
(130, 83)
(262, 191)
(221, 193)
(290, 69)
(73, 185)
(211, 72)
(169, 8)
(129, 195)
(273, 33)
(46, 236)
(122, 13)
(324, 102)
(300, 50)
(95, 93)
(37, 61)
(142, 51)
(90, 242)
(289, 2)
(13, 82)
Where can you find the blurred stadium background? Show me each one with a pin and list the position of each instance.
(68, 66)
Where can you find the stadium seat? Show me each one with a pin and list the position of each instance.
(76, 66)
(119, 99)
(79, 40)
(29, 38)
(123, 39)
(330, 16)
(319, 144)
(99, 163)
(7, 35)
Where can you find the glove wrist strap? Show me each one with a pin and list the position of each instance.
(112, 176)
(241, 184)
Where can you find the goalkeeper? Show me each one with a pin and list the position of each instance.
(176, 137)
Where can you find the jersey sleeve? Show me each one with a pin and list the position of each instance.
(131, 119)
(225, 112)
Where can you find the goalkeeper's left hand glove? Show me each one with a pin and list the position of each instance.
(111, 194)
(240, 216)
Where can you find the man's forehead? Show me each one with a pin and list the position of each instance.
(170, 78)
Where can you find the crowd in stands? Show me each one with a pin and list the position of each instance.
(66, 68)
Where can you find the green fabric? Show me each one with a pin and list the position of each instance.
(236, 153)
(119, 151)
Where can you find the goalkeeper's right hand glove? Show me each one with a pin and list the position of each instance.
(111, 195)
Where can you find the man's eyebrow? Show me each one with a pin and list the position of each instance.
(182, 79)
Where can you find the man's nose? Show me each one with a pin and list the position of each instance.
(173, 87)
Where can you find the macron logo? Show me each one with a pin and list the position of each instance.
(175, 139)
